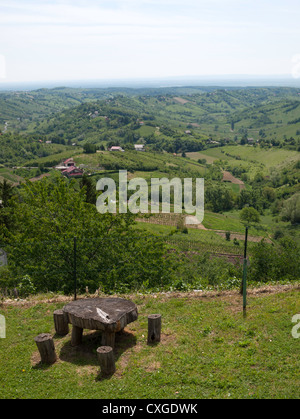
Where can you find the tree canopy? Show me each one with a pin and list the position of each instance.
(249, 215)
(109, 252)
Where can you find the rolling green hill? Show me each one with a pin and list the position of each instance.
(251, 133)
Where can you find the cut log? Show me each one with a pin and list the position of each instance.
(46, 348)
(61, 322)
(106, 360)
(154, 328)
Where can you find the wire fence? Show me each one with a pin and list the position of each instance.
(137, 261)
(114, 262)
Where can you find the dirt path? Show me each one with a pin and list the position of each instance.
(239, 236)
(255, 291)
(34, 179)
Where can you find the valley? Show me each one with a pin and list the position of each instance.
(244, 143)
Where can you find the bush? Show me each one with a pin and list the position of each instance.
(7, 280)
(291, 209)
(26, 286)
(280, 262)
(236, 242)
(211, 271)
(278, 234)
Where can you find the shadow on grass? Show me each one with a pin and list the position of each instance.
(85, 354)
(41, 366)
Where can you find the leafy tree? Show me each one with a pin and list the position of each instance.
(6, 192)
(291, 209)
(219, 198)
(269, 262)
(90, 148)
(249, 215)
(269, 194)
(89, 188)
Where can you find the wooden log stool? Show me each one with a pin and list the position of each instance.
(106, 360)
(61, 322)
(154, 328)
(46, 348)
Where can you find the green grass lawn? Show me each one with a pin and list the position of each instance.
(208, 349)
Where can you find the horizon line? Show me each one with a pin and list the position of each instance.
(215, 80)
(229, 75)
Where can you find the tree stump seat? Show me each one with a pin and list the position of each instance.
(110, 315)
(154, 328)
(61, 322)
(46, 348)
(106, 359)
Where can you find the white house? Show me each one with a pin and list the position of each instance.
(139, 147)
(116, 148)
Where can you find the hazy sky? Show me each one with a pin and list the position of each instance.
(96, 39)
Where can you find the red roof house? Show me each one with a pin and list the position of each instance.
(69, 162)
(72, 172)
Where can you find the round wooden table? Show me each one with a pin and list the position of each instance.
(110, 315)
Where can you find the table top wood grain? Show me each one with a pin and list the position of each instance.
(109, 314)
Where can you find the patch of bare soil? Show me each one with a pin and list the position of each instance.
(255, 239)
(228, 177)
(180, 100)
(198, 294)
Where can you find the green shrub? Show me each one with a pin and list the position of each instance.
(280, 262)
(7, 280)
(26, 286)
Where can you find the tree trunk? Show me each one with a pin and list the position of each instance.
(154, 328)
(106, 360)
(46, 348)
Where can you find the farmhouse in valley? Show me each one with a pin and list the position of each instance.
(68, 168)
(116, 148)
(65, 164)
(139, 147)
(72, 172)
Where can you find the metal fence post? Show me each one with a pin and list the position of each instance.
(245, 272)
(75, 269)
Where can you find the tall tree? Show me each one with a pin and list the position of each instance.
(6, 192)
(89, 189)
